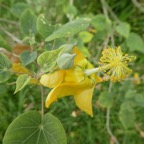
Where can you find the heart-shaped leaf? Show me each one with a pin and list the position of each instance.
(100, 23)
(135, 42)
(123, 29)
(27, 57)
(106, 99)
(5, 65)
(18, 8)
(43, 27)
(127, 115)
(31, 128)
(28, 22)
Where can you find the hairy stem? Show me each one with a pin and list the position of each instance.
(108, 120)
(11, 36)
(42, 101)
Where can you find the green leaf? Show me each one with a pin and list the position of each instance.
(139, 100)
(47, 60)
(130, 94)
(27, 57)
(5, 66)
(21, 82)
(127, 115)
(85, 36)
(31, 128)
(18, 8)
(135, 42)
(99, 22)
(123, 29)
(28, 22)
(105, 99)
(4, 44)
(70, 29)
(85, 51)
(43, 27)
(70, 11)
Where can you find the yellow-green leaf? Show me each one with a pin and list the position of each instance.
(21, 82)
(85, 36)
(47, 60)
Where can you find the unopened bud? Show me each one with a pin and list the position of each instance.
(65, 61)
(68, 48)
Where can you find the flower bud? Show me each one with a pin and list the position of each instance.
(65, 61)
(68, 48)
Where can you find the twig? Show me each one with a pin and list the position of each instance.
(108, 126)
(71, 2)
(110, 35)
(112, 13)
(12, 83)
(104, 46)
(138, 5)
(11, 36)
(8, 21)
(4, 6)
(104, 9)
(112, 38)
(105, 43)
(108, 120)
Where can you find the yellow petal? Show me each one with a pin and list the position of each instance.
(98, 79)
(67, 89)
(52, 80)
(84, 100)
(74, 75)
(79, 56)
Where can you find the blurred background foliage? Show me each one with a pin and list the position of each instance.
(118, 107)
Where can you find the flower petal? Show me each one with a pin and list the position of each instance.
(74, 75)
(79, 56)
(98, 79)
(84, 100)
(52, 80)
(67, 89)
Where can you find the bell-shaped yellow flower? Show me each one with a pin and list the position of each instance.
(74, 82)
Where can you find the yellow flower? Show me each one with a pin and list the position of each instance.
(72, 82)
(115, 63)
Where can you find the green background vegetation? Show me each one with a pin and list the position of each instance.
(118, 107)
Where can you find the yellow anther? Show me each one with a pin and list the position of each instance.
(115, 63)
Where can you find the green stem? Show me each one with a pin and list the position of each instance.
(42, 101)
